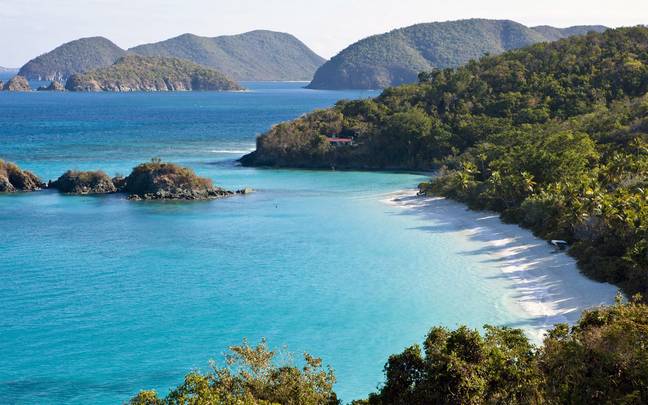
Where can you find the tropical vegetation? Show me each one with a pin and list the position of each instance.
(601, 359)
(252, 375)
(398, 56)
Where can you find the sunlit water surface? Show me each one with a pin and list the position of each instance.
(101, 297)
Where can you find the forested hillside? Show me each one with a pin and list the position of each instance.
(397, 57)
(553, 136)
(73, 57)
(255, 55)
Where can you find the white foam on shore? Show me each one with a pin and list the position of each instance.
(231, 151)
(549, 288)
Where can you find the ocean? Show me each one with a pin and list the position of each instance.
(102, 297)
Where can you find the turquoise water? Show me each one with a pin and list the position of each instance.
(102, 297)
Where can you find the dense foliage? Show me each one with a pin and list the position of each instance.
(255, 55)
(73, 57)
(553, 136)
(142, 73)
(602, 359)
(398, 56)
(252, 376)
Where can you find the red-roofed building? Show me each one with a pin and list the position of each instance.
(340, 141)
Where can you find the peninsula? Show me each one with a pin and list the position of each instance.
(141, 73)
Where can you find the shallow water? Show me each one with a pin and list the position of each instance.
(102, 297)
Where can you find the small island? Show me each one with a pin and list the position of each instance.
(17, 83)
(140, 73)
(76, 182)
(155, 180)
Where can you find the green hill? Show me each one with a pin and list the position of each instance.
(554, 34)
(256, 55)
(141, 73)
(73, 57)
(399, 56)
(553, 136)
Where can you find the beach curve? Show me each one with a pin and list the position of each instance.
(549, 288)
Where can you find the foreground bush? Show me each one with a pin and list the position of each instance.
(602, 359)
(252, 377)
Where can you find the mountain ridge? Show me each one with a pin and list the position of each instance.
(77, 56)
(398, 56)
(254, 55)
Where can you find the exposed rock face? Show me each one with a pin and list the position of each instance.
(13, 179)
(139, 73)
(1, 85)
(54, 86)
(74, 182)
(17, 83)
(166, 181)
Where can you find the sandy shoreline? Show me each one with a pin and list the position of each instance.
(549, 288)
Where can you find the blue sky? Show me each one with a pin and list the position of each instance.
(30, 27)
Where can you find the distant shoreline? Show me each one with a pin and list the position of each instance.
(549, 288)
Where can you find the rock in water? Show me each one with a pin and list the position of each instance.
(13, 179)
(74, 182)
(157, 180)
(17, 83)
(245, 191)
(54, 86)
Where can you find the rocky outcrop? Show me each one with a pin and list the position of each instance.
(157, 180)
(13, 179)
(17, 83)
(75, 182)
(139, 73)
(54, 86)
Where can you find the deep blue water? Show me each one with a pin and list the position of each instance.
(101, 297)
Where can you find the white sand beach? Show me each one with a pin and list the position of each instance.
(549, 288)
